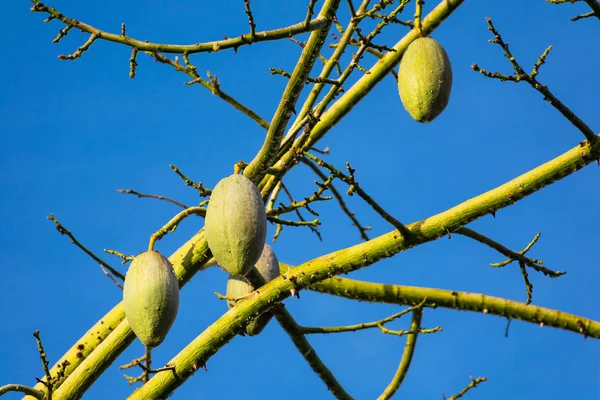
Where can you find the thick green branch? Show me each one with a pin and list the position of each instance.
(286, 106)
(359, 256)
(112, 331)
(191, 257)
(142, 45)
(476, 302)
(331, 63)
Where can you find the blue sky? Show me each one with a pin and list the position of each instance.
(74, 132)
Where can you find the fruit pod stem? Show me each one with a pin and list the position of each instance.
(418, 13)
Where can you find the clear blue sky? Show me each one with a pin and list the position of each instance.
(72, 133)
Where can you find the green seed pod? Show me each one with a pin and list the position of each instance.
(425, 79)
(268, 267)
(236, 224)
(151, 297)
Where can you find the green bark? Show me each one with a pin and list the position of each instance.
(475, 302)
(359, 256)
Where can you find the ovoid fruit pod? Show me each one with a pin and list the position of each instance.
(237, 287)
(425, 79)
(236, 224)
(151, 297)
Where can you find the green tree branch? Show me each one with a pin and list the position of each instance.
(287, 104)
(456, 300)
(405, 361)
(141, 45)
(362, 255)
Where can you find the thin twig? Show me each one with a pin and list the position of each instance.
(280, 226)
(521, 75)
(358, 327)
(125, 258)
(212, 85)
(355, 188)
(277, 220)
(171, 226)
(405, 361)
(64, 231)
(250, 21)
(151, 196)
(472, 385)
(296, 205)
(204, 192)
(513, 256)
(49, 382)
(29, 391)
(142, 45)
(361, 229)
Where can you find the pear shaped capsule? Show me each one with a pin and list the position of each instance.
(151, 297)
(238, 287)
(236, 224)
(425, 79)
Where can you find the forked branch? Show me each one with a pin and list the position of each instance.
(531, 78)
(142, 45)
(519, 256)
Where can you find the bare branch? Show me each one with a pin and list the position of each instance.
(409, 350)
(64, 231)
(29, 391)
(151, 196)
(364, 325)
(361, 229)
(355, 188)
(472, 385)
(142, 45)
(513, 256)
(171, 226)
(521, 75)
